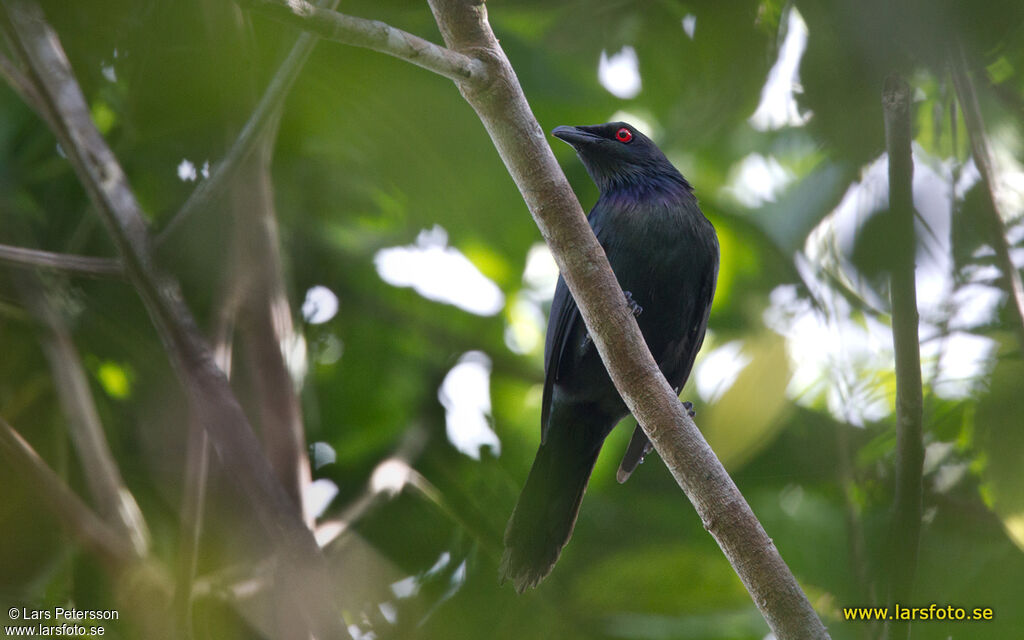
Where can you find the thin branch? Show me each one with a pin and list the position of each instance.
(193, 504)
(18, 80)
(968, 100)
(375, 35)
(266, 325)
(85, 265)
(520, 142)
(386, 481)
(856, 547)
(142, 582)
(197, 466)
(263, 116)
(88, 528)
(906, 511)
(209, 394)
(116, 503)
(21, 83)
(254, 290)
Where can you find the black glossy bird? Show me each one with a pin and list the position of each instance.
(664, 253)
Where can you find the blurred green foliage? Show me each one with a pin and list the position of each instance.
(372, 151)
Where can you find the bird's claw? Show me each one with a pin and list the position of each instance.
(689, 409)
(634, 306)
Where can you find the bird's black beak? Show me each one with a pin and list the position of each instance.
(575, 136)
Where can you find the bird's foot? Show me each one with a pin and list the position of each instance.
(689, 409)
(634, 306)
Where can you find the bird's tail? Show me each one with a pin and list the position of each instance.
(545, 515)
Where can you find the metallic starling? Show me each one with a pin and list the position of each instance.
(664, 253)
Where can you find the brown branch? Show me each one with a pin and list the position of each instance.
(266, 325)
(197, 466)
(115, 551)
(36, 258)
(20, 82)
(255, 279)
(971, 110)
(906, 511)
(116, 503)
(197, 452)
(210, 396)
(142, 585)
(372, 34)
(502, 107)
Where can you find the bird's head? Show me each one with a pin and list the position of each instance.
(617, 155)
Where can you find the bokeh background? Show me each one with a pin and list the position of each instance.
(419, 287)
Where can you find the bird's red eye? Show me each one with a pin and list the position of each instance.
(623, 135)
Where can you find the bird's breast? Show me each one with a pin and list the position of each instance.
(661, 250)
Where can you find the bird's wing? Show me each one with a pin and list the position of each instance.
(700, 315)
(563, 317)
(564, 314)
(640, 445)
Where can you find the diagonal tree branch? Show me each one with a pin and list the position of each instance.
(197, 467)
(116, 503)
(92, 532)
(968, 100)
(495, 94)
(265, 324)
(906, 511)
(193, 504)
(18, 80)
(143, 580)
(85, 265)
(208, 391)
(372, 34)
(503, 109)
